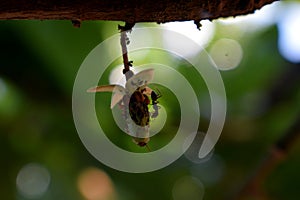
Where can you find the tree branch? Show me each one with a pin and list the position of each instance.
(130, 11)
(277, 154)
(283, 90)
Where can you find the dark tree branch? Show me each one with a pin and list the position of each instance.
(283, 90)
(130, 11)
(254, 187)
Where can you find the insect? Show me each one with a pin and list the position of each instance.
(135, 98)
(154, 97)
(138, 108)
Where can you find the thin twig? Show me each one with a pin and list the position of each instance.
(124, 41)
(124, 51)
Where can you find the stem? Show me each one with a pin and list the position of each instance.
(124, 52)
(124, 40)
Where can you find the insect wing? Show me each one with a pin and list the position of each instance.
(118, 92)
(116, 98)
(107, 88)
(140, 79)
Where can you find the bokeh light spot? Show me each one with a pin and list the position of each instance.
(188, 188)
(188, 29)
(289, 33)
(33, 180)
(94, 184)
(226, 53)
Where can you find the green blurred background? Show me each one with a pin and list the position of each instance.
(42, 156)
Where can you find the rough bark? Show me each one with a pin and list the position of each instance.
(130, 10)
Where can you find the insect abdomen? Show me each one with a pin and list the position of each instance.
(138, 108)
